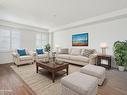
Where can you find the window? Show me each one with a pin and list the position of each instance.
(44, 39)
(4, 39)
(41, 39)
(9, 39)
(15, 39)
(38, 40)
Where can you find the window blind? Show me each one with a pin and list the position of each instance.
(4, 39)
(41, 39)
(9, 39)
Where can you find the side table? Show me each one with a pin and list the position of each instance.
(104, 57)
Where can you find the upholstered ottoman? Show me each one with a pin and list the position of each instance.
(95, 71)
(79, 84)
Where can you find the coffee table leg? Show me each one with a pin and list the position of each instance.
(53, 76)
(36, 68)
(67, 70)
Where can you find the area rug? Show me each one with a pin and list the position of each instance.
(41, 82)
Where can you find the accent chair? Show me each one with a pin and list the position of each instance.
(22, 56)
(40, 55)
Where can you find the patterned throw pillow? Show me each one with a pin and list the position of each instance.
(87, 52)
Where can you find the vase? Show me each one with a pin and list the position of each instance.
(121, 68)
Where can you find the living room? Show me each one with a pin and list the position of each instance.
(53, 28)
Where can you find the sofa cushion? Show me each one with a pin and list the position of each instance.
(64, 51)
(87, 52)
(63, 56)
(23, 58)
(79, 58)
(21, 52)
(75, 51)
(42, 56)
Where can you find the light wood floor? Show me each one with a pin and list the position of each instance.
(115, 84)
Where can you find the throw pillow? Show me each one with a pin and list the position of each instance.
(21, 52)
(86, 52)
(75, 51)
(39, 51)
(64, 51)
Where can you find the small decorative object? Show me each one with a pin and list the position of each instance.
(103, 46)
(53, 55)
(120, 52)
(48, 48)
(46, 60)
(59, 62)
(80, 39)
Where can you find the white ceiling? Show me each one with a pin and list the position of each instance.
(56, 13)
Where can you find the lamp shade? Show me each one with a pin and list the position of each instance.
(57, 46)
(103, 45)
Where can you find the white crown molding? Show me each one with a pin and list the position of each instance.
(98, 19)
(21, 26)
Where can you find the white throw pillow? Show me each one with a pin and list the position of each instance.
(75, 51)
(64, 51)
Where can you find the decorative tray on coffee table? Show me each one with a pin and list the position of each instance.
(59, 62)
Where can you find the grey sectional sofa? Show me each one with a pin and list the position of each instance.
(79, 56)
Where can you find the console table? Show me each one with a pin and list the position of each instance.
(104, 57)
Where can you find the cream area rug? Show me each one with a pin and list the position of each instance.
(41, 82)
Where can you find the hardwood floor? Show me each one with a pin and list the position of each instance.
(115, 84)
(12, 84)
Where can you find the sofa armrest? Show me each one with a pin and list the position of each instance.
(93, 55)
(15, 55)
(34, 54)
(92, 58)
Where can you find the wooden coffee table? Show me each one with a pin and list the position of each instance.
(52, 67)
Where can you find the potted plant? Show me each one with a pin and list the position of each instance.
(120, 52)
(47, 48)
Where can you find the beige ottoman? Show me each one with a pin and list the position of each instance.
(79, 84)
(95, 71)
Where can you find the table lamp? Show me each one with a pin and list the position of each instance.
(57, 48)
(103, 46)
